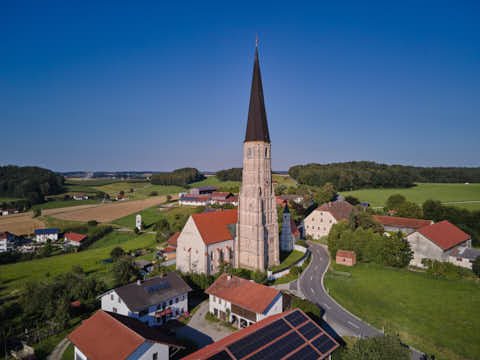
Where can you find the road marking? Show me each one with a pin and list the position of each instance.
(313, 291)
(328, 307)
(355, 326)
(311, 278)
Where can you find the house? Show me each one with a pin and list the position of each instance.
(195, 200)
(464, 256)
(144, 266)
(79, 197)
(400, 224)
(281, 199)
(290, 335)
(42, 235)
(203, 190)
(107, 335)
(206, 241)
(7, 241)
(321, 220)
(170, 252)
(153, 301)
(224, 198)
(121, 198)
(74, 239)
(437, 242)
(242, 302)
(346, 257)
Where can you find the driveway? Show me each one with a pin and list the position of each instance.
(201, 331)
(342, 321)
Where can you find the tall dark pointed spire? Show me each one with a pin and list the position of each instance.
(257, 126)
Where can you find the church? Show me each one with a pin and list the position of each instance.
(246, 237)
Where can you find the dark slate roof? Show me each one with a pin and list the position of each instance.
(47, 231)
(257, 126)
(287, 210)
(152, 291)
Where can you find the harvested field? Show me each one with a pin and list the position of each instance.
(20, 224)
(105, 213)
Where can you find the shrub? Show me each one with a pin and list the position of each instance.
(153, 193)
(445, 269)
(476, 266)
(117, 253)
(37, 212)
(296, 270)
(92, 223)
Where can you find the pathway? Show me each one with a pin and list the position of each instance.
(57, 353)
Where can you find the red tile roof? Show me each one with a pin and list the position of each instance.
(213, 226)
(112, 336)
(75, 237)
(170, 249)
(294, 228)
(244, 293)
(340, 209)
(444, 234)
(401, 222)
(221, 345)
(346, 254)
(172, 241)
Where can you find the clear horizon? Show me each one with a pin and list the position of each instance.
(114, 86)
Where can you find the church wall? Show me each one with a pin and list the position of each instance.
(195, 259)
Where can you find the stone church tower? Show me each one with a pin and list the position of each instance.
(257, 241)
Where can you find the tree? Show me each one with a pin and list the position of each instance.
(409, 209)
(324, 194)
(37, 212)
(162, 227)
(352, 200)
(125, 271)
(394, 201)
(365, 221)
(396, 251)
(78, 270)
(122, 192)
(280, 189)
(117, 253)
(476, 266)
(92, 223)
(378, 348)
(169, 198)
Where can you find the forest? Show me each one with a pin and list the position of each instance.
(180, 177)
(29, 182)
(367, 174)
(233, 174)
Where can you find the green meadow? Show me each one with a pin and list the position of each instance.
(422, 192)
(437, 316)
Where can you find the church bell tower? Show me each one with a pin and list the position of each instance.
(257, 240)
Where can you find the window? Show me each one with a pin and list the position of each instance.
(155, 356)
(119, 300)
(176, 300)
(111, 297)
(114, 310)
(266, 152)
(249, 153)
(170, 302)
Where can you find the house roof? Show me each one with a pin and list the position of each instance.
(206, 188)
(257, 126)
(221, 194)
(152, 291)
(106, 335)
(213, 226)
(195, 198)
(75, 237)
(346, 254)
(401, 222)
(244, 293)
(466, 253)
(170, 249)
(47, 231)
(276, 336)
(340, 209)
(294, 228)
(172, 241)
(6, 235)
(444, 234)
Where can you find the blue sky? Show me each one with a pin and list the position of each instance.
(152, 85)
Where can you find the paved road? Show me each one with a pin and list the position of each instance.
(343, 322)
(57, 353)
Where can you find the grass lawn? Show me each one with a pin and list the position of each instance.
(284, 180)
(8, 199)
(142, 190)
(214, 181)
(115, 238)
(69, 353)
(14, 276)
(287, 259)
(436, 316)
(422, 192)
(64, 203)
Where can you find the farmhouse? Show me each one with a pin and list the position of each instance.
(80, 197)
(206, 241)
(7, 241)
(400, 224)
(289, 335)
(242, 302)
(345, 257)
(203, 190)
(195, 200)
(107, 335)
(320, 221)
(282, 199)
(42, 235)
(464, 256)
(437, 242)
(224, 198)
(74, 239)
(154, 301)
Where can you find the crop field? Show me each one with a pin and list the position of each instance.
(214, 181)
(141, 190)
(20, 224)
(109, 212)
(446, 193)
(14, 276)
(64, 203)
(434, 315)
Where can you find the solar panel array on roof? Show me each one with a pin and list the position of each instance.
(323, 343)
(309, 330)
(222, 355)
(296, 318)
(305, 353)
(279, 348)
(256, 340)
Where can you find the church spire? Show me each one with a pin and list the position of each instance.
(257, 126)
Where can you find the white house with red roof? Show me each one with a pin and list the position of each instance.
(321, 220)
(401, 224)
(437, 242)
(242, 302)
(206, 241)
(74, 239)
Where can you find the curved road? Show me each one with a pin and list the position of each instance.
(342, 321)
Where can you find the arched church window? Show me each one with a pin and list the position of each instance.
(249, 153)
(266, 152)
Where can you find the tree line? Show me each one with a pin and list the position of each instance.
(233, 174)
(29, 182)
(367, 174)
(179, 177)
